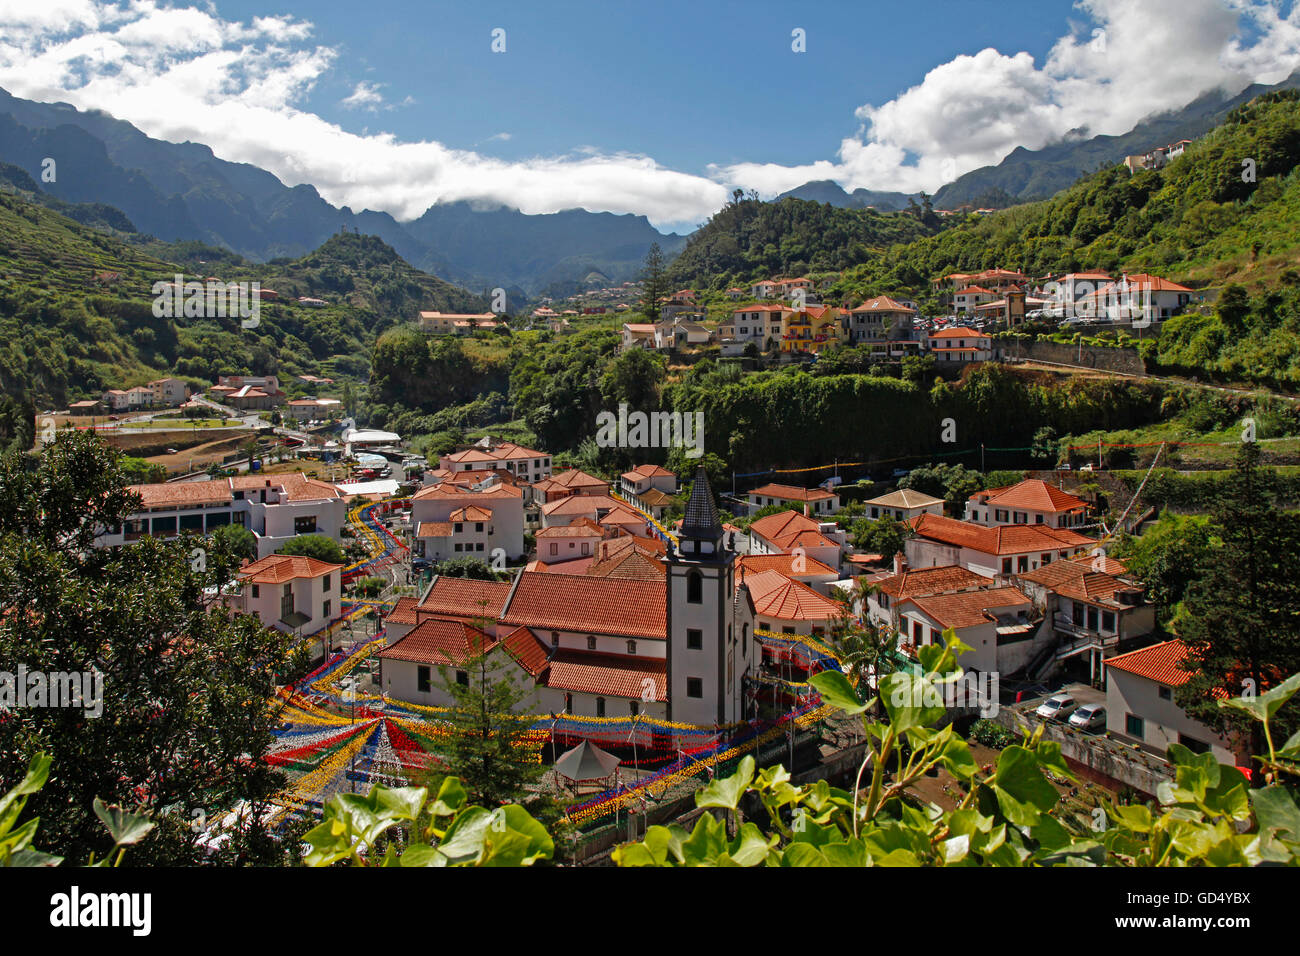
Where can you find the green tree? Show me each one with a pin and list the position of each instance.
(475, 568)
(316, 546)
(1242, 619)
(237, 540)
(634, 377)
(653, 283)
(883, 536)
(185, 712)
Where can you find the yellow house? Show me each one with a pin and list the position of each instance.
(810, 330)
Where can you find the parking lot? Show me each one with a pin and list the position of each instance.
(1083, 694)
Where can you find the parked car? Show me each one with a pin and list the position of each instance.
(1089, 717)
(1057, 707)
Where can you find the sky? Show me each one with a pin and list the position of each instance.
(655, 109)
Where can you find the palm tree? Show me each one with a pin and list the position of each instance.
(865, 649)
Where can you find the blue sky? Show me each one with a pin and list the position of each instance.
(657, 110)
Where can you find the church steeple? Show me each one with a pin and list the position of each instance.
(701, 532)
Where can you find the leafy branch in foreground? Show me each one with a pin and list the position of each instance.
(1008, 815)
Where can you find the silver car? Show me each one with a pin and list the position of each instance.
(1090, 718)
(1057, 707)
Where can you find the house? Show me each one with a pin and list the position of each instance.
(1064, 293)
(797, 567)
(988, 620)
(561, 543)
(791, 532)
(760, 324)
(996, 552)
(311, 303)
(574, 481)
(418, 667)
(961, 344)
(650, 488)
(879, 319)
(680, 330)
(1136, 298)
(766, 289)
(313, 409)
(810, 329)
(490, 453)
(735, 294)
(168, 391)
(903, 504)
(275, 508)
(1092, 611)
(638, 335)
(453, 521)
(290, 592)
(904, 582)
(562, 511)
(458, 323)
(812, 501)
(783, 605)
(87, 407)
(1140, 703)
(1032, 501)
(965, 300)
(999, 281)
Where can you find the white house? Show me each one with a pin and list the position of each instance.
(759, 324)
(994, 552)
(488, 454)
(1032, 501)
(811, 501)
(1140, 703)
(638, 335)
(879, 319)
(966, 300)
(992, 621)
(290, 592)
(470, 521)
(903, 504)
(790, 532)
(960, 344)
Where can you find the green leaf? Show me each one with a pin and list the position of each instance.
(463, 843)
(30, 857)
(124, 826)
(803, 854)
(726, 792)
(706, 842)
(420, 854)
(1266, 704)
(451, 797)
(538, 844)
(329, 841)
(1021, 788)
(1276, 811)
(836, 690)
(751, 847)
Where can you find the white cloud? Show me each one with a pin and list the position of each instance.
(1135, 58)
(183, 73)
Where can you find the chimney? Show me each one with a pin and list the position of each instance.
(900, 564)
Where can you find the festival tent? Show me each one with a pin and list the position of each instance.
(586, 762)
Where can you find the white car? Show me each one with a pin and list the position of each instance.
(1089, 717)
(1057, 707)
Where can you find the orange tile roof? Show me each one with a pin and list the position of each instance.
(1109, 565)
(1159, 663)
(575, 478)
(967, 608)
(450, 492)
(940, 580)
(784, 563)
(1032, 494)
(464, 598)
(882, 303)
(974, 290)
(775, 595)
(648, 471)
(277, 568)
(506, 451)
(433, 529)
(960, 332)
(581, 504)
(632, 564)
(563, 602)
(580, 528)
(792, 492)
(1004, 539)
(527, 650)
(608, 675)
(1078, 582)
(470, 513)
(439, 643)
(403, 612)
(783, 525)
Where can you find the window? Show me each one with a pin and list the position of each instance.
(459, 527)
(1166, 693)
(478, 546)
(555, 548)
(787, 630)
(1077, 615)
(257, 590)
(600, 706)
(462, 678)
(555, 638)
(1006, 565)
(918, 631)
(568, 703)
(591, 642)
(304, 525)
(1134, 726)
(694, 588)
(694, 639)
(328, 579)
(631, 647)
(422, 679)
(1045, 559)
(325, 610)
(457, 547)
(694, 687)
(1022, 563)
(478, 525)
(1194, 745)
(1108, 620)
(999, 514)
(744, 639)
(635, 707)
(1038, 519)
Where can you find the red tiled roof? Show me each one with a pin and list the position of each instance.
(574, 478)
(276, 568)
(784, 563)
(433, 529)
(579, 528)
(403, 612)
(960, 332)
(470, 513)
(563, 602)
(775, 595)
(783, 525)
(1032, 494)
(439, 642)
(940, 580)
(449, 491)
(464, 598)
(608, 675)
(882, 303)
(1078, 582)
(648, 471)
(967, 608)
(1004, 539)
(529, 652)
(580, 505)
(792, 493)
(1159, 663)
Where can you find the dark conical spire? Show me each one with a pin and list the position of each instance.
(701, 519)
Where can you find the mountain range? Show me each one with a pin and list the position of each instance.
(183, 191)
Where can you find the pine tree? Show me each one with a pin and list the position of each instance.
(1242, 615)
(654, 287)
